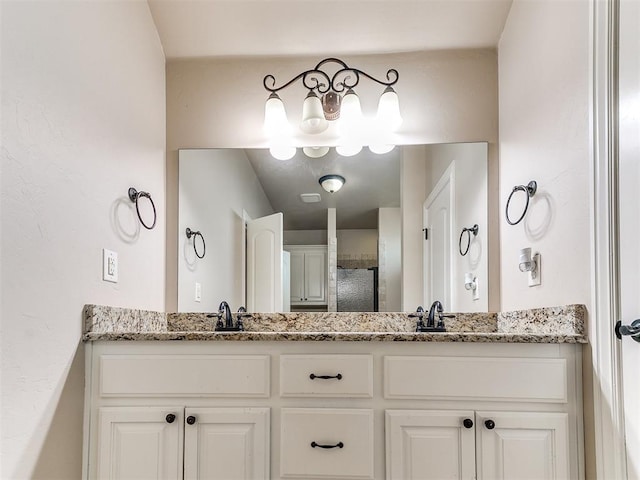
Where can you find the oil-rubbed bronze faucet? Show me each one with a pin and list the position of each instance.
(431, 326)
(224, 312)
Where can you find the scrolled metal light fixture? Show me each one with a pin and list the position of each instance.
(331, 97)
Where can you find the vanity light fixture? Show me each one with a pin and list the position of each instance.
(531, 264)
(332, 183)
(331, 96)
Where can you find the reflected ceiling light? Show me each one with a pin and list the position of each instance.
(332, 183)
(282, 152)
(381, 149)
(315, 152)
(348, 150)
(330, 96)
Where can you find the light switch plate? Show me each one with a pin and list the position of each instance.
(535, 278)
(109, 266)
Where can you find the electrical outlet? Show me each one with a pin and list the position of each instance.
(109, 266)
(198, 296)
(535, 277)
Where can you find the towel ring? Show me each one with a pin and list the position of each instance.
(191, 233)
(530, 190)
(134, 196)
(468, 231)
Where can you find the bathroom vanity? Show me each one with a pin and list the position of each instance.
(334, 396)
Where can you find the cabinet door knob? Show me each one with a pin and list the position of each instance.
(490, 424)
(467, 422)
(170, 418)
(191, 419)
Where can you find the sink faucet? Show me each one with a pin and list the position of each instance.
(225, 310)
(436, 308)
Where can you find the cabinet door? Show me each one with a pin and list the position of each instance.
(315, 272)
(226, 444)
(522, 445)
(297, 277)
(430, 445)
(140, 443)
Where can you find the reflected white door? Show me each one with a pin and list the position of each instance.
(264, 264)
(438, 209)
(629, 183)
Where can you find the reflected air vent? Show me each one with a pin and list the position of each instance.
(310, 197)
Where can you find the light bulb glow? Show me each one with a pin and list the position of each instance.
(275, 117)
(313, 120)
(388, 116)
(381, 149)
(282, 152)
(315, 152)
(350, 112)
(348, 150)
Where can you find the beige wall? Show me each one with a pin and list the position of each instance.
(470, 207)
(357, 243)
(446, 96)
(389, 259)
(544, 136)
(216, 187)
(83, 119)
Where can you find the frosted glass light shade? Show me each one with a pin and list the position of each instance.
(348, 150)
(388, 115)
(275, 117)
(382, 148)
(331, 183)
(282, 152)
(315, 152)
(313, 120)
(350, 111)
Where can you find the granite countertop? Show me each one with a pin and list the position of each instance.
(564, 324)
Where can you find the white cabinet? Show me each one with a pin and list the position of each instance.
(308, 274)
(218, 443)
(522, 445)
(139, 442)
(400, 410)
(424, 444)
(226, 444)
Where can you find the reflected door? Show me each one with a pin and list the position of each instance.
(437, 223)
(264, 264)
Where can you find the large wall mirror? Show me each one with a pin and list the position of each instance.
(273, 239)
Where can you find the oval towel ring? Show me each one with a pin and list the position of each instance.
(468, 231)
(530, 190)
(134, 196)
(191, 233)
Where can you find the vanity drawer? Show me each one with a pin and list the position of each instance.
(303, 427)
(302, 376)
(185, 375)
(476, 378)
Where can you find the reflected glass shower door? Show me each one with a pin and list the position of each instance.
(357, 290)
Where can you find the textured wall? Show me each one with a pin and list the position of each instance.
(544, 136)
(83, 119)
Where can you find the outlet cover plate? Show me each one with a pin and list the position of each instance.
(535, 277)
(109, 266)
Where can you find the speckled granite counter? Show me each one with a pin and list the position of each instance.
(565, 324)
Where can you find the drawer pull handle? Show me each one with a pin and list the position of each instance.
(191, 419)
(313, 376)
(490, 424)
(337, 445)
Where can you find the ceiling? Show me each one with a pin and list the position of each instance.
(372, 182)
(223, 28)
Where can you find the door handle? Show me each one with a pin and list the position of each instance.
(632, 330)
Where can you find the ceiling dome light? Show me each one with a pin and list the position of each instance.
(381, 149)
(315, 152)
(332, 183)
(388, 115)
(348, 150)
(282, 152)
(275, 117)
(313, 120)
